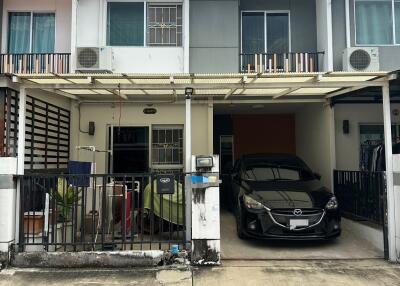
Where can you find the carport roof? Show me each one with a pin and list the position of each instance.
(276, 87)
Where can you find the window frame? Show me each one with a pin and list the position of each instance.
(394, 40)
(170, 6)
(266, 12)
(32, 12)
(145, 6)
(165, 166)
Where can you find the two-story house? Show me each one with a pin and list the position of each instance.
(149, 83)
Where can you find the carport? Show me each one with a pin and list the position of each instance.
(235, 92)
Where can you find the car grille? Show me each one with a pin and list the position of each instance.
(283, 216)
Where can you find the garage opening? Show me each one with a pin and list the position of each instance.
(306, 130)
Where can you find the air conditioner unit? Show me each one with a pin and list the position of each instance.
(96, 59)
(361, 59)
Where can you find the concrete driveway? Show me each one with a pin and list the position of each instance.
(350, 245)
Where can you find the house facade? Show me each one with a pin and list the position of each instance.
(265, 77)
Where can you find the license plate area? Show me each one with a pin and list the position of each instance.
(298, 223)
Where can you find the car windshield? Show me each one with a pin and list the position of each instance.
(275, 173)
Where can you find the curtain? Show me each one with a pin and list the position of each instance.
(277, 33)
(125, 24)
(397, 20)
(19, 24)
(43, 33)
(374, 22)
(253, 37)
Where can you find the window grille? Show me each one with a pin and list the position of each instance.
(164, 25)
(167, 146)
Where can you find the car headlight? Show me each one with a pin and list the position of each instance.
(251, 203)
(332, 204)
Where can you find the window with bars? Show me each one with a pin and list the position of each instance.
(164, 25)
(167, 146)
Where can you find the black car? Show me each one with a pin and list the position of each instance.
(279, 197)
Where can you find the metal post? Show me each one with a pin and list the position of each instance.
(20, 155)
(188, 167)
(389, 173)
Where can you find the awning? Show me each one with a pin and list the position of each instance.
(276, 87)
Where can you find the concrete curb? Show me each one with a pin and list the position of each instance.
(109, 259)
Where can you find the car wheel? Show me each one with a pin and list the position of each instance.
(239, 225)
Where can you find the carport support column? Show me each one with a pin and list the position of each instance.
(391, 219)
(188, 167)
(20, 155)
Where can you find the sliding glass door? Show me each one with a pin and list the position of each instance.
(265, 32)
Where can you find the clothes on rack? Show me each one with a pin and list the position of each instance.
(372, 157)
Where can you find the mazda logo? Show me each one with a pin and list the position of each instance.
(165, 180)
(297, 212)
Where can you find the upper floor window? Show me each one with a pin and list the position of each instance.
(265, 32)
(164, 25)
(126, 24)
(31, 32)
(377, 22)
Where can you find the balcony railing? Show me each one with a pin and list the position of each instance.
(35, 63)
(280, 62)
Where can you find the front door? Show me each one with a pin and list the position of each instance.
(130, 146)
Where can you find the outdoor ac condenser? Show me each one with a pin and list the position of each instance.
(96, 59)
(361, 59)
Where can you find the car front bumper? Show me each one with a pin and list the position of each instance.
(261, 225)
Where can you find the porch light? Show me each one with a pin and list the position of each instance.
(204, 162)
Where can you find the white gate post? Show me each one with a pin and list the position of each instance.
(188, 165)
(391, 204)
(20, 155)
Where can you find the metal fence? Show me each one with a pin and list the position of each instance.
(100, 212)
(58, 63)
(280, 62)
(361, 194)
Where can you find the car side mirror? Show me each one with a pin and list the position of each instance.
(318, 176)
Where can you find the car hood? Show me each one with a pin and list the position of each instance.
(288, 194)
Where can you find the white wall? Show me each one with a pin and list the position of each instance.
(91, 32)
(132, 115)
(62, 9)
(324, 32)
(348, 145)
(313, 139)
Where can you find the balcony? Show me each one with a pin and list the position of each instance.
(58, 63)
(280, 62)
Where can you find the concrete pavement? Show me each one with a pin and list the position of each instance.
(232, 272)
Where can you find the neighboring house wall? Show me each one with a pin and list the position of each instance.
(62, 9)
(91, 32)
(132, 115)
(214, 36)
(388, 54)
(348, 145)
(313, 139)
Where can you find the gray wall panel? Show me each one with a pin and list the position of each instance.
(214, 36)
(338, 33)
(206, 60)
